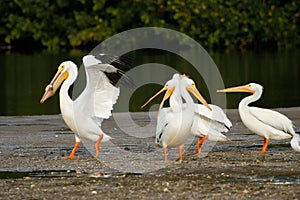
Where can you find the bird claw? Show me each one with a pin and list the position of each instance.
(196, 152)
(70, 157)
(259, 151)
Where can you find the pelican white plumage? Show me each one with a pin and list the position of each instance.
(207, 124)
(85, 114)
(173, 124)
(266, 123)
(295, 142)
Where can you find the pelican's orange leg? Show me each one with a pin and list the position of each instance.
(98, 145)
(72, 155)
(266, 143)
(199, 144)
(180, 153)
(264, 148)
(165, 154)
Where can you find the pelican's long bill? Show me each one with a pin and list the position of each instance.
(193, 90)
(168, 93)
(159, 92)
(243, 88)
(50, 89)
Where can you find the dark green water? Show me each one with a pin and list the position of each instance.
(24, 77)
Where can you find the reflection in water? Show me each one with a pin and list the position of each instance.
(24, 77)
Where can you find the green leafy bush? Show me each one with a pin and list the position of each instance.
(214, 23)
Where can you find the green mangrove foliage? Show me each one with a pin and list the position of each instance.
(214, 23)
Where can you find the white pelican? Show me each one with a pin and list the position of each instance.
(266, 123)
(207, 124)
(85, 114)
(174, 126)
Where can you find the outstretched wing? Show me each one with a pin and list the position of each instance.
(120, 62)
(102, 81)
(112, 66)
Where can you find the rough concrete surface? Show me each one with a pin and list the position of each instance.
(131, 167)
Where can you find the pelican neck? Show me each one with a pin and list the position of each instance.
(250, 99)
(73, 72)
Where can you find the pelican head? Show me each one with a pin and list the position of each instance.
(249, 88)
(175, 82)
(61, 75)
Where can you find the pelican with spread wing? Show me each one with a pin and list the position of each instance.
(85, 114)
(266, 123)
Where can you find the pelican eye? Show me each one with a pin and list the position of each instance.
(62, 68)
(51, 86)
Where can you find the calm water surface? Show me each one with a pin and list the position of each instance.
(24, 77)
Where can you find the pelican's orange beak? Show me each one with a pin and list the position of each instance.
(158, 93)
(166, 96)
(197, 94)
(243, 88)
(50, 89)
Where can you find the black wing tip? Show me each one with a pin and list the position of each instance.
(158, 139)
(227, 127)
(126, 80)
(120, 78)
(120, 62)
